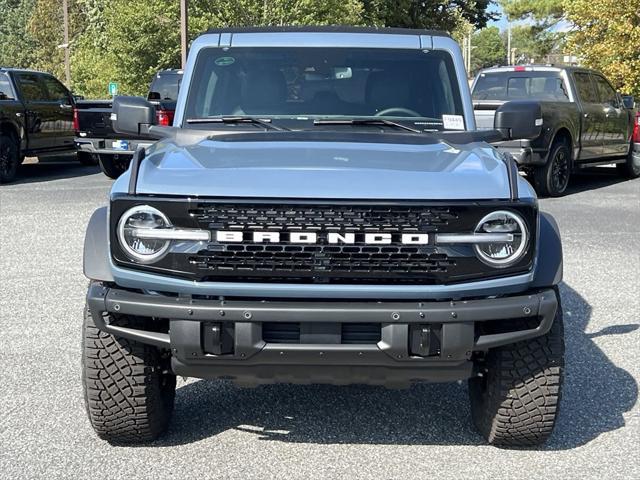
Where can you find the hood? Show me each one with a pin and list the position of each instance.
(323, 169)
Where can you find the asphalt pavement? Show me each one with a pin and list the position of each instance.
(283, 431)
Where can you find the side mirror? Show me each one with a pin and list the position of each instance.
(132, 116)
(629, 102)
(518, 120)
(154, 96)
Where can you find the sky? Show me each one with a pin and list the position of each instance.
(501, 22)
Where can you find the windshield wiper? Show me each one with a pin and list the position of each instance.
(238, 119)
(366, 121)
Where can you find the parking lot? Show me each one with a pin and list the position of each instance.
(283, 431)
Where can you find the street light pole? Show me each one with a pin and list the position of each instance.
(65, 21)
(184, 30)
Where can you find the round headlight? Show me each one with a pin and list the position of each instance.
(505, 252)
(135, 220)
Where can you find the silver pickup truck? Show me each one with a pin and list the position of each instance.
(323, 211)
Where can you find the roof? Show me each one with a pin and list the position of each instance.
(537, 67)
(329, 29)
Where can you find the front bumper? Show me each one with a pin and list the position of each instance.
(419, 341)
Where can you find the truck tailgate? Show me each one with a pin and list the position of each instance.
(94, 118)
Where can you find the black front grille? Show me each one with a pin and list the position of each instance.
(340, 262)
(321, 260)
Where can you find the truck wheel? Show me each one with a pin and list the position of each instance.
(88, 159)
(9, 158)
(630, 168)
(516, 402)
(114, 165)
(128, 391)
(552, 179)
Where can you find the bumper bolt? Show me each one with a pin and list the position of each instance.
(454, 315)
(116, 307)
(221, 313)
(526, 310)
(190, 312)
(421, 314)
(247, 315)
(395, 316)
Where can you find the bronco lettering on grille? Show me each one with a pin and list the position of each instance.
(368, 238)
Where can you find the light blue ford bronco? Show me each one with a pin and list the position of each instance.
(323, 211)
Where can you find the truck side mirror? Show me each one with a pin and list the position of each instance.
(132, 115)
(629, 102)
(518, 120)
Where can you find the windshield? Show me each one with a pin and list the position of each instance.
(165, 86)
(302, 83)
(545, 86)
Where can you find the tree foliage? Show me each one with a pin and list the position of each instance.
(533, 43)
(542, 11)
(488, 49)
(16, 44)
(606, 36)
(430, 14)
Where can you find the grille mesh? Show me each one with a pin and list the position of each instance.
(322, 259)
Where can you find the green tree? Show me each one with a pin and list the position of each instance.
(545, 12)
(16, 43)
(430, 14)
(533, 43)
(488, 49)
(606, 36)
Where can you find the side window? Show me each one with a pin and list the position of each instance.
(31, 88)
(585, 88)
(6, 92)
(56, 92)
(606, 92)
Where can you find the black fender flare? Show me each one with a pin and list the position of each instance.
(96, 265)
(548, 270)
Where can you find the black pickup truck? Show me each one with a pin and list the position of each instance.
(585, 122)
(36, 119)
(114, 151)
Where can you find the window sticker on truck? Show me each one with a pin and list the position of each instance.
(453, 122)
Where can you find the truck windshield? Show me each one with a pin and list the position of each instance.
(302, 83)
(544, 86)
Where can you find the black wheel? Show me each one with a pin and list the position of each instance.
(9, 158)
(128, 389)
(88, 159)
(630, 168)
(552, 179)
(114, 165)
(516, 401)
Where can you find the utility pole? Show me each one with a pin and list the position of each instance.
(65, 21)
(508, 41)
(184, 30)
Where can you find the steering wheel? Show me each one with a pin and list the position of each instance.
(387, 111)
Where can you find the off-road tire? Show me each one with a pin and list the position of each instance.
(114, 165)
(128, 392)
(515, 403)
(552, 179)
(630, 168)
(9, 157)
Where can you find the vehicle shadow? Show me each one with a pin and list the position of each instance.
(596, 394)
(594, 178)
(47, 171)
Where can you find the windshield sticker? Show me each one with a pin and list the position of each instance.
(225, 61)
(453, 122)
